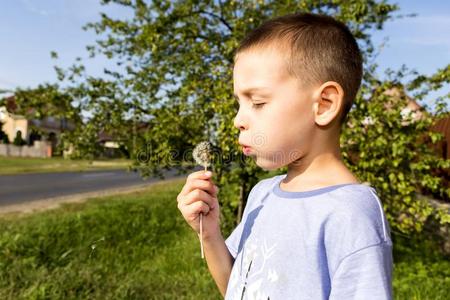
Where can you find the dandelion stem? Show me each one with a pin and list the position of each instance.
(201, 228)
(202, 155)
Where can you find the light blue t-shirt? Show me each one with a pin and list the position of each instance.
(328, 243)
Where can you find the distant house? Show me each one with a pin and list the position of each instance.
(442, 148)
(416, 112)
(115, 147)
(443, 127)
(412, 107)
(48, 129)
(13, 123)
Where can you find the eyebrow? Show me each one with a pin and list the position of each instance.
(251, 90)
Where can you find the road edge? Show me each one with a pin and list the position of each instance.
(55, 202)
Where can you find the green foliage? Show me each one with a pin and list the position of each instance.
(3, 136)
(138, 246)
(394, 153)
(18, 140)
(49, 101)
(174, 74)
(177, 60)
(420, 267)
(5, 139)
(417, 280)
(46, 100)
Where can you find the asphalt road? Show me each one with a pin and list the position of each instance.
(15, 189)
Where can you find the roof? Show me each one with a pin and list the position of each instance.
(10, 103)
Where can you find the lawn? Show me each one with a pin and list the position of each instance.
(137, 246)
(19, 165)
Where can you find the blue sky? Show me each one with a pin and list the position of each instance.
(30, 29)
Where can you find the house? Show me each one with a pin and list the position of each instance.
(416, 112)
(13, 123)
(443, 127)
(114, 147)
(48, 129)
(411, 112)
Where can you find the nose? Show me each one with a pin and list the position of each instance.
(239, 121)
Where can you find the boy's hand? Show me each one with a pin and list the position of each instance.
(199, 194)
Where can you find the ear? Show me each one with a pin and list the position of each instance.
(328, 103)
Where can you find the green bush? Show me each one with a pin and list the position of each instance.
(18, 140)
(421, 271)
(3, 136)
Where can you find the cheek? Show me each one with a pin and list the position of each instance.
(291, 121)
(291, 132)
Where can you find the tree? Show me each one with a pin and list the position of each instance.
(174, 61)
(394, 153)
(18, 140)
(49, 100)
(3, 136)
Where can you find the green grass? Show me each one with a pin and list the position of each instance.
(420, 270)
(20, 165)
(138, 246)
(122, 247)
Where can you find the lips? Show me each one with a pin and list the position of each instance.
(245, 149)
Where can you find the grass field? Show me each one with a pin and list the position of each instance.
(138, 246)
(19, 165)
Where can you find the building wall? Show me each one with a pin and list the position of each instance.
(39, 149)
(13, 123)
(442, 126)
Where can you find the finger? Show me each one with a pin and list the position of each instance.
(192, 182)
(199, 175)
(199, 195)
(195, 210)
(200, 207)
(205, 185)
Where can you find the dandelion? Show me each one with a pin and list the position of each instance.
(202, 155)
(94, 245)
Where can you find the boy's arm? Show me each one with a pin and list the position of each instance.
(365, 274)
(199, 195)
(219, 259)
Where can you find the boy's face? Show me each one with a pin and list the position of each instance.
(275, 116)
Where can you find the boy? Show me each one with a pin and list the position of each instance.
(315, 232)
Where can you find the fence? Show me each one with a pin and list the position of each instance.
(39, 149)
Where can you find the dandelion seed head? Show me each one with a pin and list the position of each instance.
(202, 154)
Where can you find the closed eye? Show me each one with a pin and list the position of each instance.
(258, 105)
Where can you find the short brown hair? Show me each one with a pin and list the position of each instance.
(319, 46)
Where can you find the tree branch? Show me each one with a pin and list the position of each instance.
(217, 17)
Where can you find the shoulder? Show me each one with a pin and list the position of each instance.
(356, 219)
(358, 201)
(262, 188)
(265, 185)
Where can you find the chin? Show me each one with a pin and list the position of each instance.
(267, 164)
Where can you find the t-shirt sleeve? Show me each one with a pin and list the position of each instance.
(359, 248)
(365, 274)
(232, 242)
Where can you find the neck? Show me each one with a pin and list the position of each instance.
(312, 166)
(318, 169)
